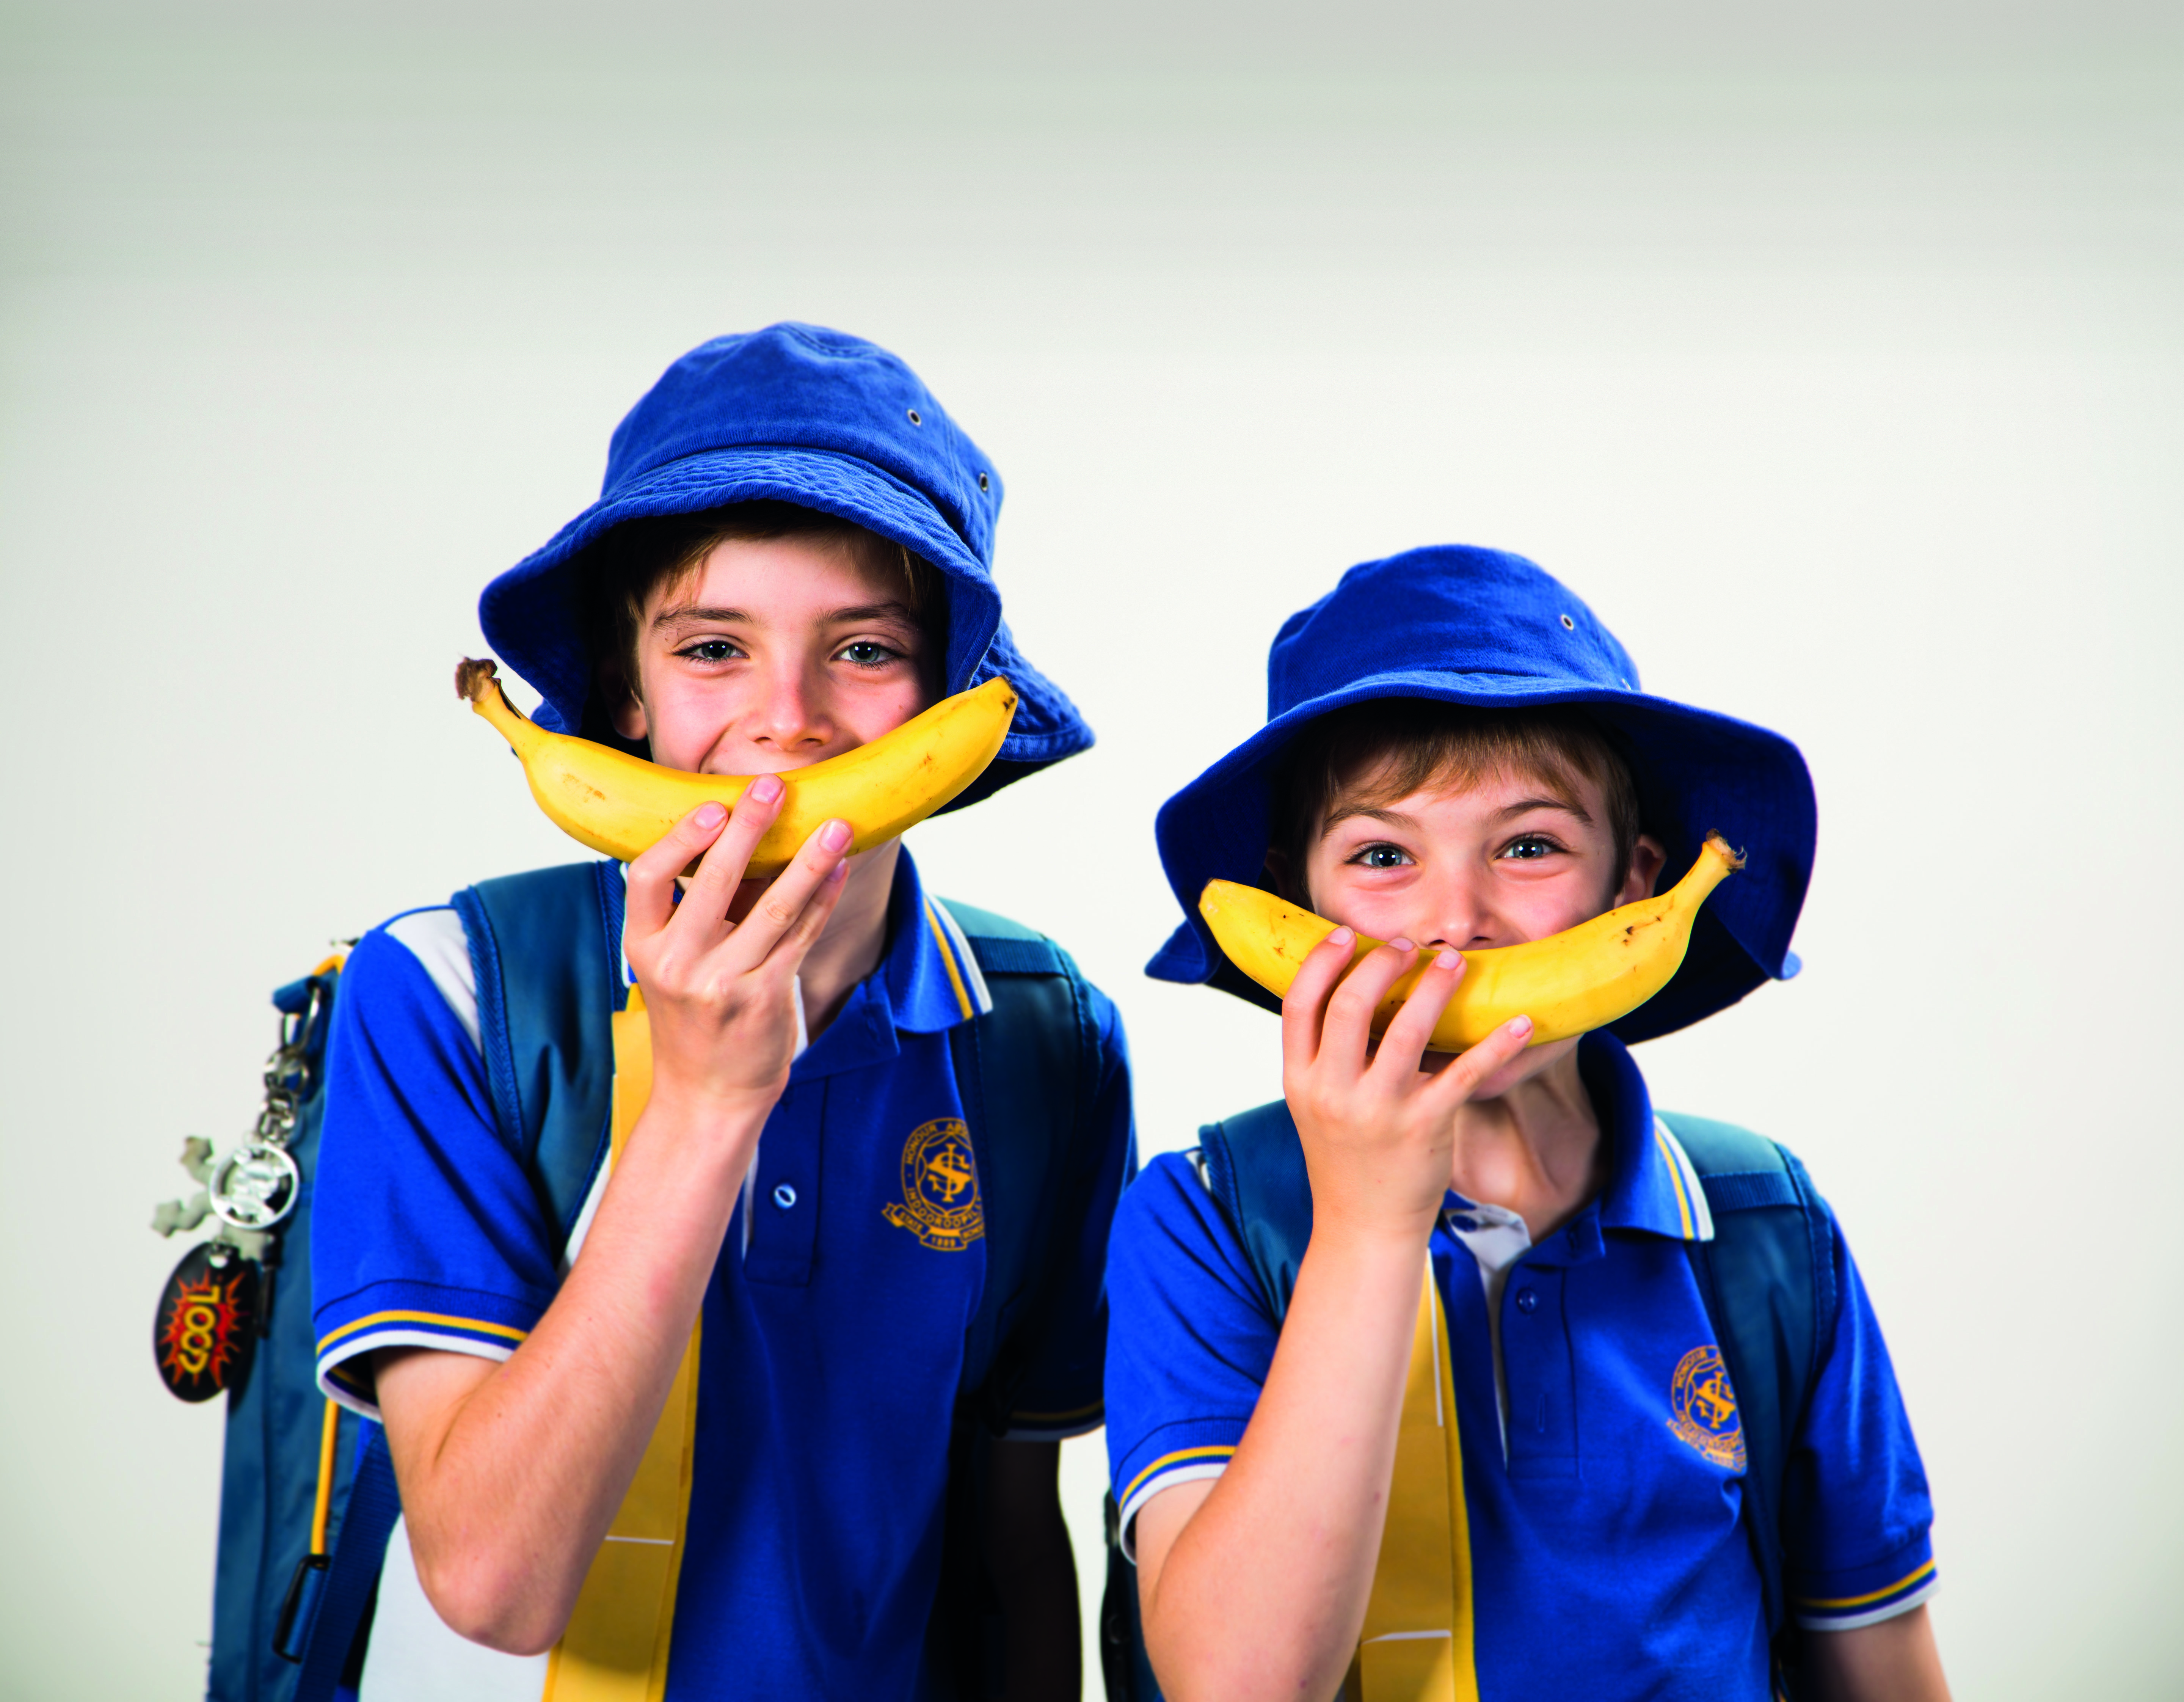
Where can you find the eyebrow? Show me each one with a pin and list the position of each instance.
(1568, 807)
(1397, 818)
(689, 614)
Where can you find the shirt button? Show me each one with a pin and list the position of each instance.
(783, 1196)
(1527, 1299)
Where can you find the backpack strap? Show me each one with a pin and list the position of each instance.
(1028, 1070)
(547, 949)
(1768, 1281)
(346, 1599)
(1255, 1170)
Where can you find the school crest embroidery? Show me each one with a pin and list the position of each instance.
(1704, 1409)
(940, 1203)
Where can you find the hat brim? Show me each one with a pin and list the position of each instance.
(1695, 773)
(530, 618)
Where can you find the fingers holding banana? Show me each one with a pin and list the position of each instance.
(1378, 1128)
(719, 992)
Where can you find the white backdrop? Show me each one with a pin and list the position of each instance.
(1835, 365)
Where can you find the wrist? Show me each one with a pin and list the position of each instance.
(710, 1126)
(1370, 1247)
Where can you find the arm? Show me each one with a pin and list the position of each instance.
(1895, 1660)
(511, 1473)
(1256, 1583)
(1034, 1573)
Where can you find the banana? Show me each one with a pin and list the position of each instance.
(621, 805)
(1569, 984)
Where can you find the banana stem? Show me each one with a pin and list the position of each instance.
(479, 682)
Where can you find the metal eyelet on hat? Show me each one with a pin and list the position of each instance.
(784, 1196)
(1568, 625)
(982, 482)
(914, 418)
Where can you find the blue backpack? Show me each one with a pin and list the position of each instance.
(1767, 1278)
(291, 1615)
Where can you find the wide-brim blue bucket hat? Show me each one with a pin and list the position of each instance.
(1490, 630)
(802, 415)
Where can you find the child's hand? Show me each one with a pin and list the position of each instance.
(719, 994)
(1378, 1130)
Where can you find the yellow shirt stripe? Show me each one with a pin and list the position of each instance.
(948, 959)
(1168, 1459)
(476, 1324)
(1904, 1582)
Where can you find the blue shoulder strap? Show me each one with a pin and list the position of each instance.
(1255, 1170)
(1028, 1071)
(1768, 1279)
(546, 948)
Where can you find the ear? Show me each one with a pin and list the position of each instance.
(625, 708)
(1284, 880)
(1648, 856)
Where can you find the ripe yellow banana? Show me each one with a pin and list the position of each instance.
(1569, 984)
(621, 805)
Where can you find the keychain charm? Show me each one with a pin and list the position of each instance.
(206, 1327)
(254, 1187)
(213, 1308)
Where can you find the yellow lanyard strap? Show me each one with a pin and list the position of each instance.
(616, 1647)
(1416, 1642)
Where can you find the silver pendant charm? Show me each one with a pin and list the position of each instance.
(254, 1187)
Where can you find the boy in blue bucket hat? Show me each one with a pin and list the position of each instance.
(1475, 1377)
(757, 1392)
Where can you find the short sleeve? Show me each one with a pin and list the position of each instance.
(1059, 1395)
(1856, 1507)
(1190, 1338)
(427, 1231)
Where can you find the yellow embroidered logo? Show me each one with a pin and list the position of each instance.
(940, 1204)
(1706, 1409)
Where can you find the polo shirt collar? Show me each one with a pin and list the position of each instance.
(1652, 1185)
(933, 978)
(926, 981)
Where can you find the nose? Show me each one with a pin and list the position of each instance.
(1455, 912)
(790, 717)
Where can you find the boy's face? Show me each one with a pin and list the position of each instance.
(772, 655)
(1498, 862)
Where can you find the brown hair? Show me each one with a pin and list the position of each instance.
(1376, 752)
(640, 557)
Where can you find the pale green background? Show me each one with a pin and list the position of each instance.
(1834, 360)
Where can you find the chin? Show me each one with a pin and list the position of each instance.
(1533, 1060)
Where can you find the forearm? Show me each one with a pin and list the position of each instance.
(1896, 1660)
(511, 1474)
(1263, 1592)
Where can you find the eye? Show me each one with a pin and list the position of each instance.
(1529, 848)
(711, 651)
(1380, 855)
(867, 653)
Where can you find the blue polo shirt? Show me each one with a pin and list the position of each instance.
(1603, 1465)
(834, 1328)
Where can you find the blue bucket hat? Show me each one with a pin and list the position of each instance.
(802, 415)
(1490, 630)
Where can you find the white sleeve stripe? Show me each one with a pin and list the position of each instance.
(1852, 1621)
(377, 1339)
(1151, 1486)
(435, 938)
